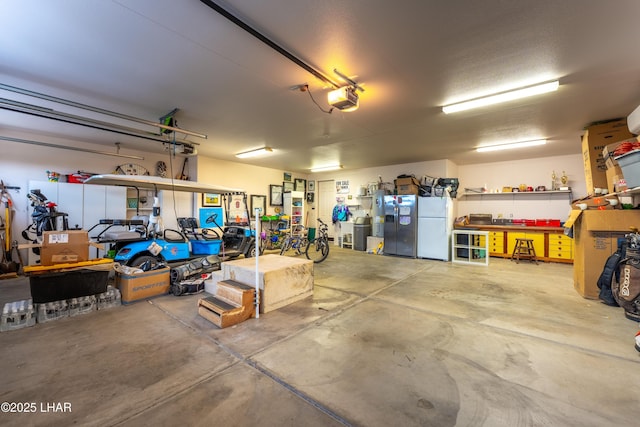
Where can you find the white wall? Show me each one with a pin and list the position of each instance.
(363, 177)
(531, 172)
(251, 179)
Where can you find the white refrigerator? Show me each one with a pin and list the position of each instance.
(435, 222)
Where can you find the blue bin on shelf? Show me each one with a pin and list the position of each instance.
(205, 247)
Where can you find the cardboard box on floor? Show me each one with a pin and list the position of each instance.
(61, 247)
(134, 287)
(594, 141)
(596, 235)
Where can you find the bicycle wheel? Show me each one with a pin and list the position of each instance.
(317, 250)
(301, 246)
(285, 246)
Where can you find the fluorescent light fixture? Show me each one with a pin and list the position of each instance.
(326, 168)
(502, 97)
(254, 153)
(511, 145)
(344, 98)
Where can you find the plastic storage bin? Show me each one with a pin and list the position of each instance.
(205, 247)
(49, 287)
(630, 165)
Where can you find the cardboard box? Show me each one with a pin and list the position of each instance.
(61, 247)
(594, 140)
(406, 181)
(614, 176)
(592, 202)
(596, 235)
(408, 189)
(135, 287)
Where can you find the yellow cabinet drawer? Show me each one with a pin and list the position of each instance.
(560, 238)
(496, 238)
(560, 248)
(496, 247)
(560, 255)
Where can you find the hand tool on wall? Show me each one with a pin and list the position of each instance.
(6, 198)
(182, 174)
(14, 247)
(7, 265)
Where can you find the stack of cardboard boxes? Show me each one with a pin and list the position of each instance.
(595, 140)
(597, 227)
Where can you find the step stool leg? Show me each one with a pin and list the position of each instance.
(533, 252)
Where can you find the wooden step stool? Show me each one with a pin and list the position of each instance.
(233, 303)
(524, 250)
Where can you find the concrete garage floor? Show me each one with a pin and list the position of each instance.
(383, 341)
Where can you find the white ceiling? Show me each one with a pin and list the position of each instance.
(145, 57)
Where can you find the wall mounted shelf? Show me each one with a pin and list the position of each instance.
(517, 193)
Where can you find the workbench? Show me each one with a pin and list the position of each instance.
(550, 243)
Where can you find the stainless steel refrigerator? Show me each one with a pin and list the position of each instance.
(400, 225)
(435, 221)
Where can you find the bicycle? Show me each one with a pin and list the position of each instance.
(273, 238)
(296, 239)
(318, 249)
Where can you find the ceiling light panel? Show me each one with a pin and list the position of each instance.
(502, 97)
(255, 153)
(326, 168)
(509, 146)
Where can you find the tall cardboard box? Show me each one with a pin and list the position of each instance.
(62, 247)
(596, 235)
(594, 141)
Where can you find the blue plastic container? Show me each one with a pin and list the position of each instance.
(205, 247)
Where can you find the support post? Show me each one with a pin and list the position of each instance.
(257, 242)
